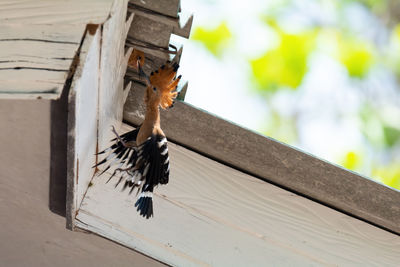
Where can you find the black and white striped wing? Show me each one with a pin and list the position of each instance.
(153, 167)
(120, 155)
(144, 166)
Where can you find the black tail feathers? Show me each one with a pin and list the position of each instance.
(145, 205)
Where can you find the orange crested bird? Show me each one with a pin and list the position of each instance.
(142, 154)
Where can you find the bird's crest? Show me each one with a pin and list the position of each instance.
(164, 79)
(162, 83)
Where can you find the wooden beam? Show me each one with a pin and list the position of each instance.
(36, 59)
(213, 215)
(74, 12)
(275, 162)
(82, 123)
(96, 93)
(167, 8)
(38, 41)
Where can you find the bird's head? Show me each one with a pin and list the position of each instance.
(161, 86)
(162, 83)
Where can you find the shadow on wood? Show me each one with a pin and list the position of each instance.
(58, 153)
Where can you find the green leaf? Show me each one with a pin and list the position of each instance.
(356, 56)
(286, 65)
(393, 56)
(376, 5)
(215, 40)
(391, 134)
(352, 161)
(372, 125)
(389, 175)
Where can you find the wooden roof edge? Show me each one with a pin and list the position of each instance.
(275, 162)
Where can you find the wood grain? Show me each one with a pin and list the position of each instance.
(210, 214)
(275, 162)
(82, 123)
(54, 12)
(97, 92)
(35, 59)
(167, 8)
(38, 41)
(113, 66)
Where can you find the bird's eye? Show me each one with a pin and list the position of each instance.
(154, 89)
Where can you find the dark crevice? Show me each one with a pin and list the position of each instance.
(62, 58)
(51, 91)
(28, 61)
(36, 40)
(33, 68)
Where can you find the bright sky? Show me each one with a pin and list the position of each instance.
(328, 100)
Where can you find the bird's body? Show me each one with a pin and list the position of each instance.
(142, 154)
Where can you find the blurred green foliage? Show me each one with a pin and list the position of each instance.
(352, 161)
(391, 134)
(378, 132)
(394, 55)
(389, 174)
(356, 56)
(286, 65)
(377, 5)
(281, 127)
(215, 40)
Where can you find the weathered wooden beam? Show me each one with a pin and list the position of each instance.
(180, 26)
(95, 101)
(72, 12)
(275, 162)
(213, 215)
(36, 59)
(169, 8)
(82, 124)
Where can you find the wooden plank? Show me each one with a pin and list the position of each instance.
(82, 123)
(275, 162)
(180, 26)
(94, 99)
(35, 59)
(54, 12)
(113, 66)
(211, 214)
(150, 31)
(167, 8)
(30, 234)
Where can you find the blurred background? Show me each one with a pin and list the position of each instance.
(320, 75)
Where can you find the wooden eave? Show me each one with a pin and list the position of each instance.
(275, 162)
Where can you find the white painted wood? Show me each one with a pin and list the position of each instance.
(210, 214)
(35, 59)
(54, 12)
(83, 118)
(38, 41)
(96, 99)
(87, 114)
(113, 67)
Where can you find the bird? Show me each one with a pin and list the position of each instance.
(142, 154)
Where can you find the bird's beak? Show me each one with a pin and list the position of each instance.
(142, 73)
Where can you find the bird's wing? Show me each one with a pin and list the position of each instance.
(144, 166)
(118, 154)
(152, 169)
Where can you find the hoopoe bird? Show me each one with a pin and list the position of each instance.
(142, 154)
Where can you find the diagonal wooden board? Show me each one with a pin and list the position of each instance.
(211, 214)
